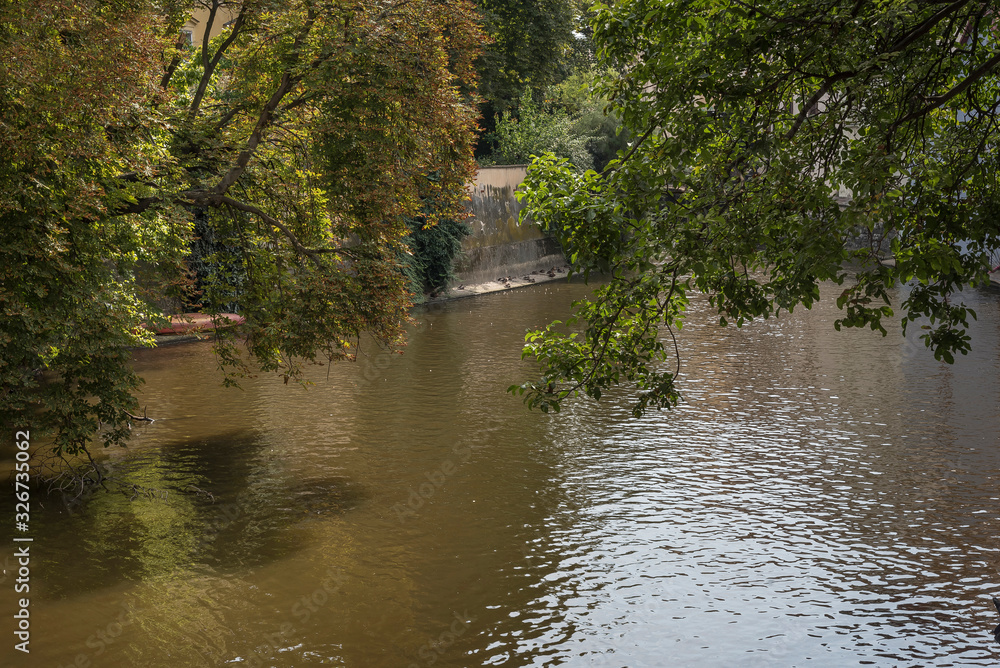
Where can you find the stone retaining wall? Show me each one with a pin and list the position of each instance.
(500, 245)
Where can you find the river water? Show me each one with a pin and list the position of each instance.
(819, 499)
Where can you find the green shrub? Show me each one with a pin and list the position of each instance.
(571, 124)
(534, 131)
(432, 254)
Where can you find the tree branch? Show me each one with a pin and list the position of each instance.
(311, 253)
(940, 100)
(263, 120)
(228, 116)
(609, 170)
(210, 65)
(138, 206)
(174, 62)
(266, 115)
(924, 28)
(207, 36)
(814, 100)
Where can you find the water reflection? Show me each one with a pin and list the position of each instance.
(819, 498)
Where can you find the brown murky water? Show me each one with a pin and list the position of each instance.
(821, 499)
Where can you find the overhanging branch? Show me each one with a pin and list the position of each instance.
(311, 253)
(940, 100)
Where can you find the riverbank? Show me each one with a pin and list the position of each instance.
(501, 284)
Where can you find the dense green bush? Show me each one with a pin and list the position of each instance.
(218, 283)
(433, 249)
(218, 277)
(571, 123)
(535, 130)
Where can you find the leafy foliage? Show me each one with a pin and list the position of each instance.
(534, 131)
(530, 45)
(605, 134)
(207, 259)
(530, 42)
(572, 124)
(770, 136)
(433, 249)
(302, 137)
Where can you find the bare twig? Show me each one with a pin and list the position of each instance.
(140, 419)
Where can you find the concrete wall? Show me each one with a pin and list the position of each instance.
(198, 21)
(499, 244)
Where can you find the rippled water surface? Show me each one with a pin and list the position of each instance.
(820, 499)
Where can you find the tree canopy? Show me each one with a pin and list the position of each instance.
(772, 137)
(302, 138)
(529, 47)
(571, 123)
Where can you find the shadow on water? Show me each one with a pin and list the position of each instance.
(212, 505)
